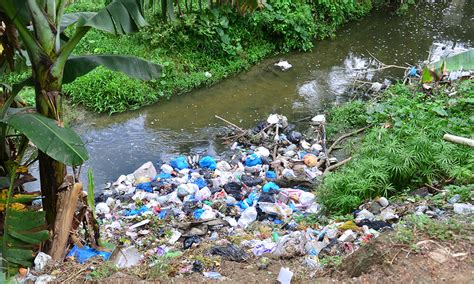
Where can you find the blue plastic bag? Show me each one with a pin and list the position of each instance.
(146, 186)
(134, 212)
(162, 176)
(208, 162)
(253, 160)
(198, 213)
(412, 72)
(270, 175)
(162, 214)
(85, 253)
(180, 163)
(200, 182)
(270, 186)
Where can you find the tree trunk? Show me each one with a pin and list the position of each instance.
(49, 104)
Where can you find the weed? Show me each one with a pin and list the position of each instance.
(415, 228)
(331, 261)
(104, 270)
(404, 148)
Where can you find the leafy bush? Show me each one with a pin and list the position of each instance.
(289, 23)
(405, 147)
(107, 91)
(330, 15)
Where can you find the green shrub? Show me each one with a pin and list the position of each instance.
(108, 91)
(408, 153)
(288, 23)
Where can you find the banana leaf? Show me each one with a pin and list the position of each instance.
(60, 143)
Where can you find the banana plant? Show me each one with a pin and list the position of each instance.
(40, 27)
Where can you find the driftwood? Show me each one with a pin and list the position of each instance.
(459, 140)
(67, 204)
(335, 166)
(344, 137)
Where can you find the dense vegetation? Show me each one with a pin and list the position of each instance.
(404, 148)
(200, 48)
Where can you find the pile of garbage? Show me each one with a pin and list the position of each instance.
(255, 207)
(249, 206)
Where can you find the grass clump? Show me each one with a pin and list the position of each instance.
(416, 228)
(405, 146)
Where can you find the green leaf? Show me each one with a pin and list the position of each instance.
(90, 190)
(426, 76)
(72, 18)
(61, 144)
(440, 111)
(132, 66)
(119, 17)
(22, 233)
(461, 61)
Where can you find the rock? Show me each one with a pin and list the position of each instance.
(383, 201)
(147, 170)
(463, 208)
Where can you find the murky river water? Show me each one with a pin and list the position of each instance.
(120, 143)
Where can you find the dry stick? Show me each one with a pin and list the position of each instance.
(459, 140)
(230, 123)
(323, 130)
(333, 167)
(344, 137)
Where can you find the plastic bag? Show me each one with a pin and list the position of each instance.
(230, 252)
(180, 163)
(253, 160)
(208, 162)
(248, 216)
(85, 253)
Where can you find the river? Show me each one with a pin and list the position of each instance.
(319, 79)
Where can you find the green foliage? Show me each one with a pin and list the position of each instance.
(415, 228)
(330, 15)
(107, 91)
(409, 153)
(348, 116)
(331, 261)
(289, 23)
(23, 231)
(104, 270)
(90, 190)
(60, 143)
